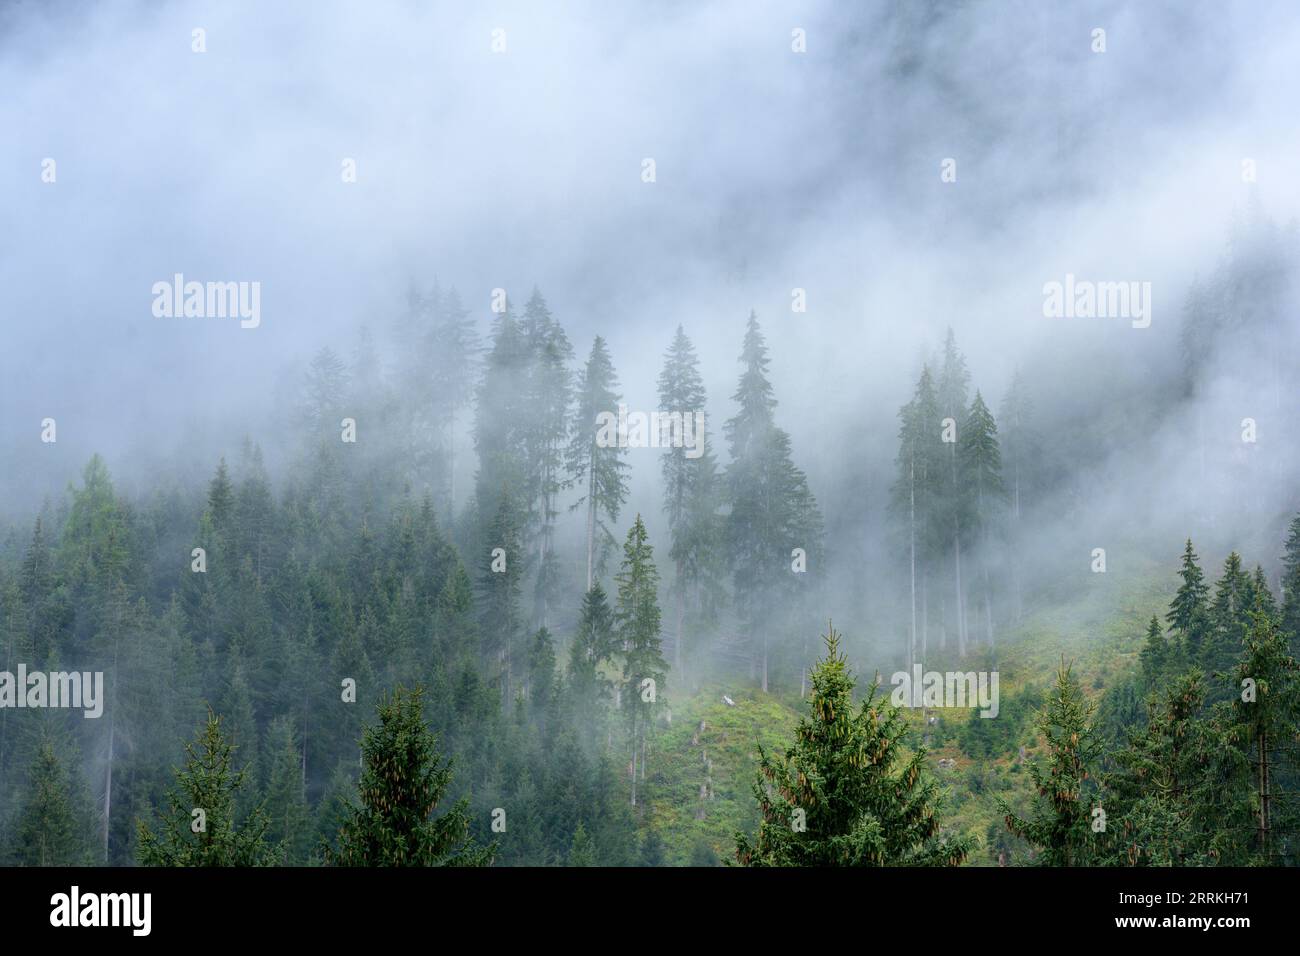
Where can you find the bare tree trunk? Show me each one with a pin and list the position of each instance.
(984, 565)
(108, 786)
(591, 521)
(112, 740)
(1015, 556)
(956, 551)
(634, 759)
(911, 521)
(961, 604)
(925, 607)
(1265, 798)
(681, 613)
(451, 465)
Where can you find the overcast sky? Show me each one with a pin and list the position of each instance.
(775, 169)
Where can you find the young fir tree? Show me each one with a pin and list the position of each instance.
(637, 626)
(403, 780)
(581, 852)
(1189, 612)
(44, 620)
(50, 830)
(845, 794)
(979, 469)
(1163, 797)
(1260, 594)
(597, 466)
(239, 727)
(355, 679)
(543, 680)
(652, 850)
(289, 819)
(593, 645)
(1156, 655)
(1229, 616)
(1060, 827)
(500, 581)
(1266, 726)
(772, 510)
(199, 828)
(454, 626)
(690, 486)
(324, 392)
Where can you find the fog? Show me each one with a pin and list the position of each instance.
(775, 170)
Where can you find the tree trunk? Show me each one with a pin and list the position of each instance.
(591, 518)
(956, 551)
(451, 465)
(634, 758)
(1265, 797)
(681, 610)
(911, 521)
(925, 608)
(112, 742)
(961, 604)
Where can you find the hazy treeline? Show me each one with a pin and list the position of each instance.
(264, 600)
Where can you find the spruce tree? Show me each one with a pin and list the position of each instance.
(845, 793)
(593, 645)
(1291, 587)
(1229, 616)
(951, 392)
(979, 468)
(200, 826)
(690, 486)
(454, 356)
(286, 800)
(597, 469)
(1266, 727)
(581, 853)
(500, 422)
(1155, 654)
(500, 581)
(324, 393)
(549, 393)
(403, 780)
(637, 625)
(1188, 612)
(772, 510)
(1060, 825)
(49, 830)
(914, 502)
(1164, 796)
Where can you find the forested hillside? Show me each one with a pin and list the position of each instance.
(578, 669)
(720, 434)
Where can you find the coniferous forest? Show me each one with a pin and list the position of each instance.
(449, 506)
